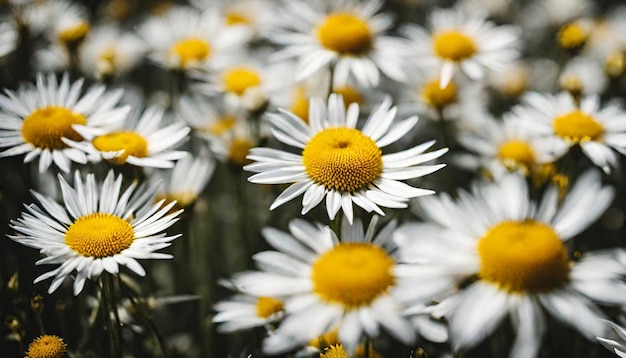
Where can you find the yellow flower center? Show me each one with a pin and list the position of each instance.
(577, 126)
(342, 159)
(523, 257)
(350, 95)
(346, 34)
(75, 33)
(239, 79)
(99, 235)
(572, 84)
(238, 151)
(454, 46)
(131, 142)
(335, 351)
(223, 125)
(300, 105)
(572, 36)
(267, 306)
(516, 154)
(327, 339)
(615, 64)
(46, 347)
(45, 127)
(352, 274)
(191, 50)
(183, 199)
(236, 18)
(438, 97)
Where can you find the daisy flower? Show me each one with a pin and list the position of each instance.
(562, 124)
(346, 34)
(185, 38)
(255, 17)
(8, 37)
(328, 284)
(68, 23)
(242, 312)
(340, 162)
(143, 143)
(462, 38)
(509, 255)
(95, 230)
(36, 119)
(47, 346)
(584, 75)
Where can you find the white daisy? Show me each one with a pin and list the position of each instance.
(584, 75)
(254, 16)
(185, 38)
(68, 23)
(95, 230)
(142, 142)
(562, 124)
(35, 119)
(8, 37)
(328, 284)
(462, 38)
(242, 312)
(347, 34)
(509, 255)
(340, 162)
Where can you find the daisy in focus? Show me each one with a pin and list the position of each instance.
(96, 230)
(46, 346)
(509, 255)
(461, 38)
(562, 124)
(35, 120)
(143, 143)
(329, 285)
(341, 163)
(347, 35)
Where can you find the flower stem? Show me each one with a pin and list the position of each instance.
(108, 304)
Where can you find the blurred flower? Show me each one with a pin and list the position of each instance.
(46, 346)
(585, 76)
(340, 162)
(36, 119)
(141, 143)
(347, 35)
(462, 38)
(242, 312)
(255, 17)
(328, 284)
(516, 250)
(95, 230)
(8, 37)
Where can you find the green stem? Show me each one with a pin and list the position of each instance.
(367, 345)
(107, 305)
(42, 331)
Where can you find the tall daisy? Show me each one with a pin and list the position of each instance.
(341, 163)
(8, 37)
(562, 124)
(461, 38)
(242, 312)
(95, 230)
(35, 119)
(347, 34)
(142, 143)
(328, 284)
(502, 254)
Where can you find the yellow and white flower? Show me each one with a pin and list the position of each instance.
(562, 124)
(35, 120)
(462, 38)
(242, 312)
(96, 230)
(495, 252)
(329, 284)
(140, 143)
(347, 34)
(8, 37)
(341, 163)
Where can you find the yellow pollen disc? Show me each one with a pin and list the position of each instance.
(454, 46)
(46, 347)
(131, 142)
(238, 151)
(345, 33)
(335, 351)
(352, 274)
(45, 127)
(223, 125)
(577, 126)
(235, 18)
(267, 306)
(615, 64)
(191, 50)
(342, 159)
(572, 84)
(515, 154)
(75, 33)
(327, 339)
(572, 36)
(99, 235)
(239, 79)
(438, 97)
(300, 105)
(350, 95)
(183, 199)
(523, 257)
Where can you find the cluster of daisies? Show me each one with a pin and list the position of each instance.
(121, 112)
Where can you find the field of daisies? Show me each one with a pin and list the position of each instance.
(312, 178)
